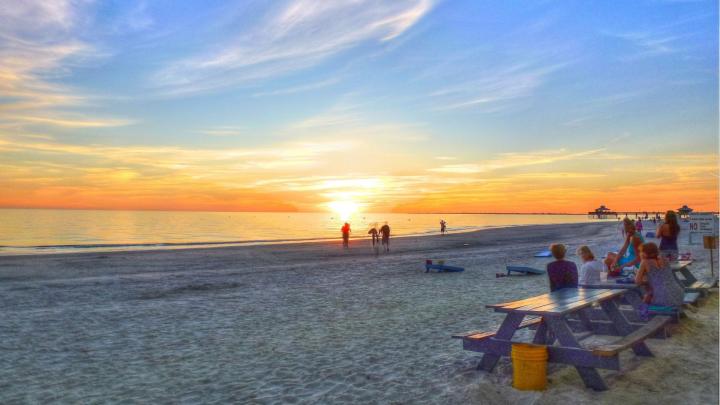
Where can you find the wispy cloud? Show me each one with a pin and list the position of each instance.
(515, 160)
(670, 38)
(299, 34)
(492, 89)
(227, 130)
(69, 122)
(300, 88)
(39, 42)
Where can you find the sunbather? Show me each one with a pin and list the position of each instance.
(562, 273)
(656, 276)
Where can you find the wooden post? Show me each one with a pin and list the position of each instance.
(710, 242)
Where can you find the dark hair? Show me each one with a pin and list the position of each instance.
(558, 250)
(650, 250)
(671, 220)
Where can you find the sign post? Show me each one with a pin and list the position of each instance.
(710, 242)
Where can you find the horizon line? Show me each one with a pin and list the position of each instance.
(618, 212)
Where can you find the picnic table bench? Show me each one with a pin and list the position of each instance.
(552, 314)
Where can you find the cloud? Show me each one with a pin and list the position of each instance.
(39, 42)
(74, 122)
(665, 39)
(492, 89)
(297, 35)
(514, 160)
(300, 88)
(223, 131)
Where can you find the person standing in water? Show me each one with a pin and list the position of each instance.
(443, 227)
(346, 235)
(385, 233)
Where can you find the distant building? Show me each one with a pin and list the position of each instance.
(684, 211)
(602, 212)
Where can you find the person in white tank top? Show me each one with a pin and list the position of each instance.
(591, 269)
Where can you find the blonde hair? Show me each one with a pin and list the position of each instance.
(558, 250)
(585, 251)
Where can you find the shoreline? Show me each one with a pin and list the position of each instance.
(359, 242)
(182, 246)
(309, 322)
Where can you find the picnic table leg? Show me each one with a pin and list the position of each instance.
(562, 331)
(623, 326)
(541, 334)
(506, 332)
(585, 319)
(689, 277)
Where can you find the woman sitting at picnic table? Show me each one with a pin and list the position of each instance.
(591, 268)
(562, 273)
(668, 235)
(629, 254)
(656, 276)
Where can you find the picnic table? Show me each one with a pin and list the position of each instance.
(563, 319)
(688, 280)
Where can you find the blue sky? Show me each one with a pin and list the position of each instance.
(267, 101)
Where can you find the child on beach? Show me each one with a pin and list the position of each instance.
(346, 235)
(591, 268)
(656, 276)
(562, 273)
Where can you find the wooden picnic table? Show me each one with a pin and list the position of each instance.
(558, 315)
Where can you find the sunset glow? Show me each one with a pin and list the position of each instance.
(402, 106)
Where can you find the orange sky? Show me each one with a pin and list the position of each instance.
(404, 106)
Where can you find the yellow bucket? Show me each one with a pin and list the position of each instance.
(529, 366)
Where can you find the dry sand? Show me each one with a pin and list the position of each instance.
(309, 323)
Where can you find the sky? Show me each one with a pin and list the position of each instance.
(382, 106)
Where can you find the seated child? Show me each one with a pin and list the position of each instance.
(591, 268)
(562, 273)
(655, 274)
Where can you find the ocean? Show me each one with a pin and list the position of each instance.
(42, 231)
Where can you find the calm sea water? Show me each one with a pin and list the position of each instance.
(51, 231)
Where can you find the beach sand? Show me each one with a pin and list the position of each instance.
(310, 323)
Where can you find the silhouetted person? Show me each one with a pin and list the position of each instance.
(346, 235)
(443, 227)
(385, 234)
(374, 235)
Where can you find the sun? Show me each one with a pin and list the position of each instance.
(344, 209)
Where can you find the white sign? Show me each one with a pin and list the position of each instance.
(701, 224)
